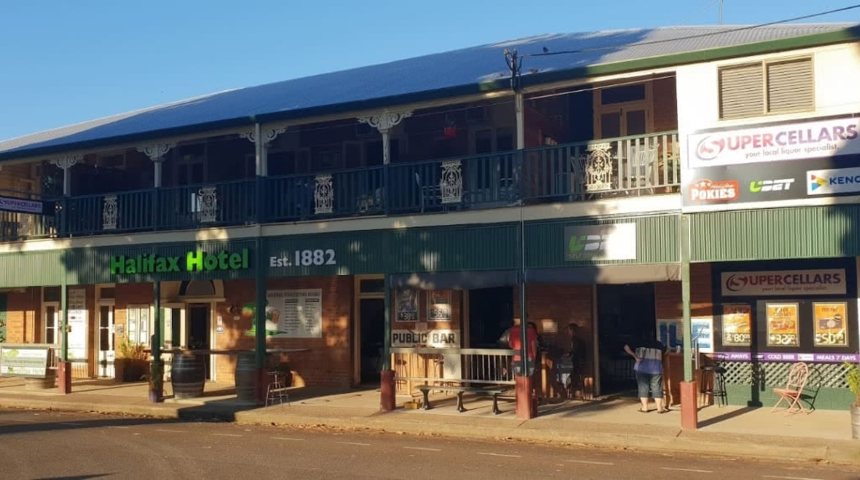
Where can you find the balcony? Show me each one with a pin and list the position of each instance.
(575, 172)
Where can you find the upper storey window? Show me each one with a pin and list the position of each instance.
(762, 88)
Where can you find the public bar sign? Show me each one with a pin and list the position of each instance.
(439, 338)
(600, 242)
(784, 282)
(771, 143)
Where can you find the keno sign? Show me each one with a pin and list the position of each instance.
(784, 282)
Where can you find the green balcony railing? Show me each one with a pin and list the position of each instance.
(616, 167)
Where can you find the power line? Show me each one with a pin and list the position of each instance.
(698, 35)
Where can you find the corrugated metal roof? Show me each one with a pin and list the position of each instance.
(432, 76)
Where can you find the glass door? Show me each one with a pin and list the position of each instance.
(106, 350)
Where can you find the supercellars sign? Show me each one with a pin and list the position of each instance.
(788, 141)
(784, 282)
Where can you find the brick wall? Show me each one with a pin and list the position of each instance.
(665, 105)
(23, 312)
(328, 361)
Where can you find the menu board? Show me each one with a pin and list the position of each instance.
(407, 304)
(737, 324)
(296, 313)
(782, 325)
(829, 319)
(439, 306)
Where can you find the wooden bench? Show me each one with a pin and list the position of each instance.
(494, 391)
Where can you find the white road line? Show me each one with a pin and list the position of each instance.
(355, 443)
(289, 439)
(694, 470)
(424, 449)
(119, 426)
(790, 478)
(589, 462)
(499, 455)
(225, 435)
(169, 431)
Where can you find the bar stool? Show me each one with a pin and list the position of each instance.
(277, 390)
(717, 386)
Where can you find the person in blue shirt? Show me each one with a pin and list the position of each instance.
(649, 372)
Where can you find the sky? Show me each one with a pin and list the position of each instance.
(64, 62)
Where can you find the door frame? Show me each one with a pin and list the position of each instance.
(105, 302)
(185, 329)
(356, 323)
(56, 322)
(646, 104)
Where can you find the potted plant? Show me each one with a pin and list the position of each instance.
(852, 378)
(131, 365)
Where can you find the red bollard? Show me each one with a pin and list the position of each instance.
(689, 405)
(64, 377)
(387, 399)
(526, 401)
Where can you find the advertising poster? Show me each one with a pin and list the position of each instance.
(737, 325)
(294, 313)
(439, 306)
(830, 324)
(782, 325)
(407, 305)
(703, 333)
(78, 324)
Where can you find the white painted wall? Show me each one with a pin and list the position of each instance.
(837, 76)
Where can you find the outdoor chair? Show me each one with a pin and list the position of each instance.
(792, 393)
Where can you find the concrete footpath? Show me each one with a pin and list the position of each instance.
(822, 436)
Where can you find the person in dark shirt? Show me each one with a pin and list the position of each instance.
(649, 372)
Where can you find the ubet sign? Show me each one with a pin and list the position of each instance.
(195, 261)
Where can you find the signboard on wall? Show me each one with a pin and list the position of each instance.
(24, 360)
(830, 324)
(11, 204)
(771, 143)
(784, 282)
(439, 338)
(78, 324)
(600, 242)
(294, 313)
(703, 333)
(439, 306)
(406, 303)
(760, 163)
(736, 325)
(783, 325)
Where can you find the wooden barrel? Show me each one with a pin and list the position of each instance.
(246, 377)
(187, 375)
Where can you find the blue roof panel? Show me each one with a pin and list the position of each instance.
(441, 74)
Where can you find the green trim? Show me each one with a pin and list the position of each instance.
(776, 233)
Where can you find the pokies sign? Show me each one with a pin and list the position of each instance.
(193, 261)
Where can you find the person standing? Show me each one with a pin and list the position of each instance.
(649, 372)
(577, 355)
(514, 339)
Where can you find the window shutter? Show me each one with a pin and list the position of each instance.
(741, 91)
(790, 86)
